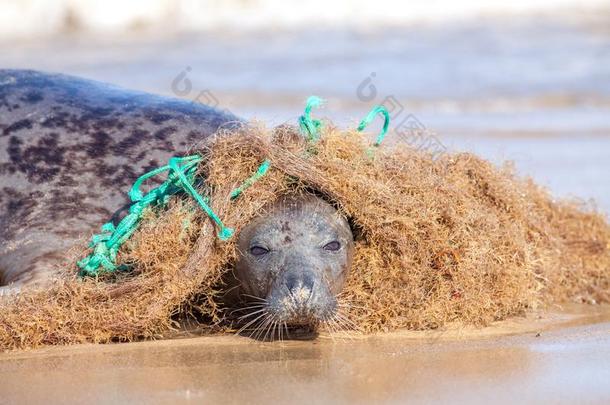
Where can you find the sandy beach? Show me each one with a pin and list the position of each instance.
(558, 357)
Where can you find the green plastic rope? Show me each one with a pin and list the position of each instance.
(260, 172)
(310, 127)
(381, 110)
(107, 244)
(174, 164)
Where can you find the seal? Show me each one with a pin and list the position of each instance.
(293, 260)
(69, 148)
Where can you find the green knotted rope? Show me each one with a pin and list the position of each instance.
(187, 183)
(310, 127)
(381, 110)
(107, 244)
(181, 178)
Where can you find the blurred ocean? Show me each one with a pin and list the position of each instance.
(527, 81)
(23, 18)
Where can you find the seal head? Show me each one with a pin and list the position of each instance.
(294, 259)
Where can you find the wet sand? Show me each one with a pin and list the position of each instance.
(558, 357)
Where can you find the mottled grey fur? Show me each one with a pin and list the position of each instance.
(69, 150)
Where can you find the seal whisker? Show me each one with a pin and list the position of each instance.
(274, 330)
(256, 328)
(340, 326)
(326, 322)
(265, 329)
(248, 315)
(348, 305)
(345, 323)
(255, 297)
(247, 308)
(346, 329)
(269, 328)
(243, 328)
(344, 303)
(330, 325)
(277, 332)
(247, 327)
(261, 328)
(281, 334)
(346, 320)
(253, 307)
(261, 305)
(338, 329)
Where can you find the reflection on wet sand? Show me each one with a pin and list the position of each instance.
(567, 362)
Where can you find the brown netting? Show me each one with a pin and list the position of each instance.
(438, 240)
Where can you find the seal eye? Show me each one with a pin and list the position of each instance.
(332, 246)
(258, 250)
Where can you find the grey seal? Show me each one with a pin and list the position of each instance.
(70, 148)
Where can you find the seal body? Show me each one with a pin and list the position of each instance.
(69, 150)
(293, 261)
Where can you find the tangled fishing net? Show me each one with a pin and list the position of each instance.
(437, 241)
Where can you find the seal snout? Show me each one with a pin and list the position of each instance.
(300, 288)
(302, 299)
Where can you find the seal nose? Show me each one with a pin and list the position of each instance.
(300, 286)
